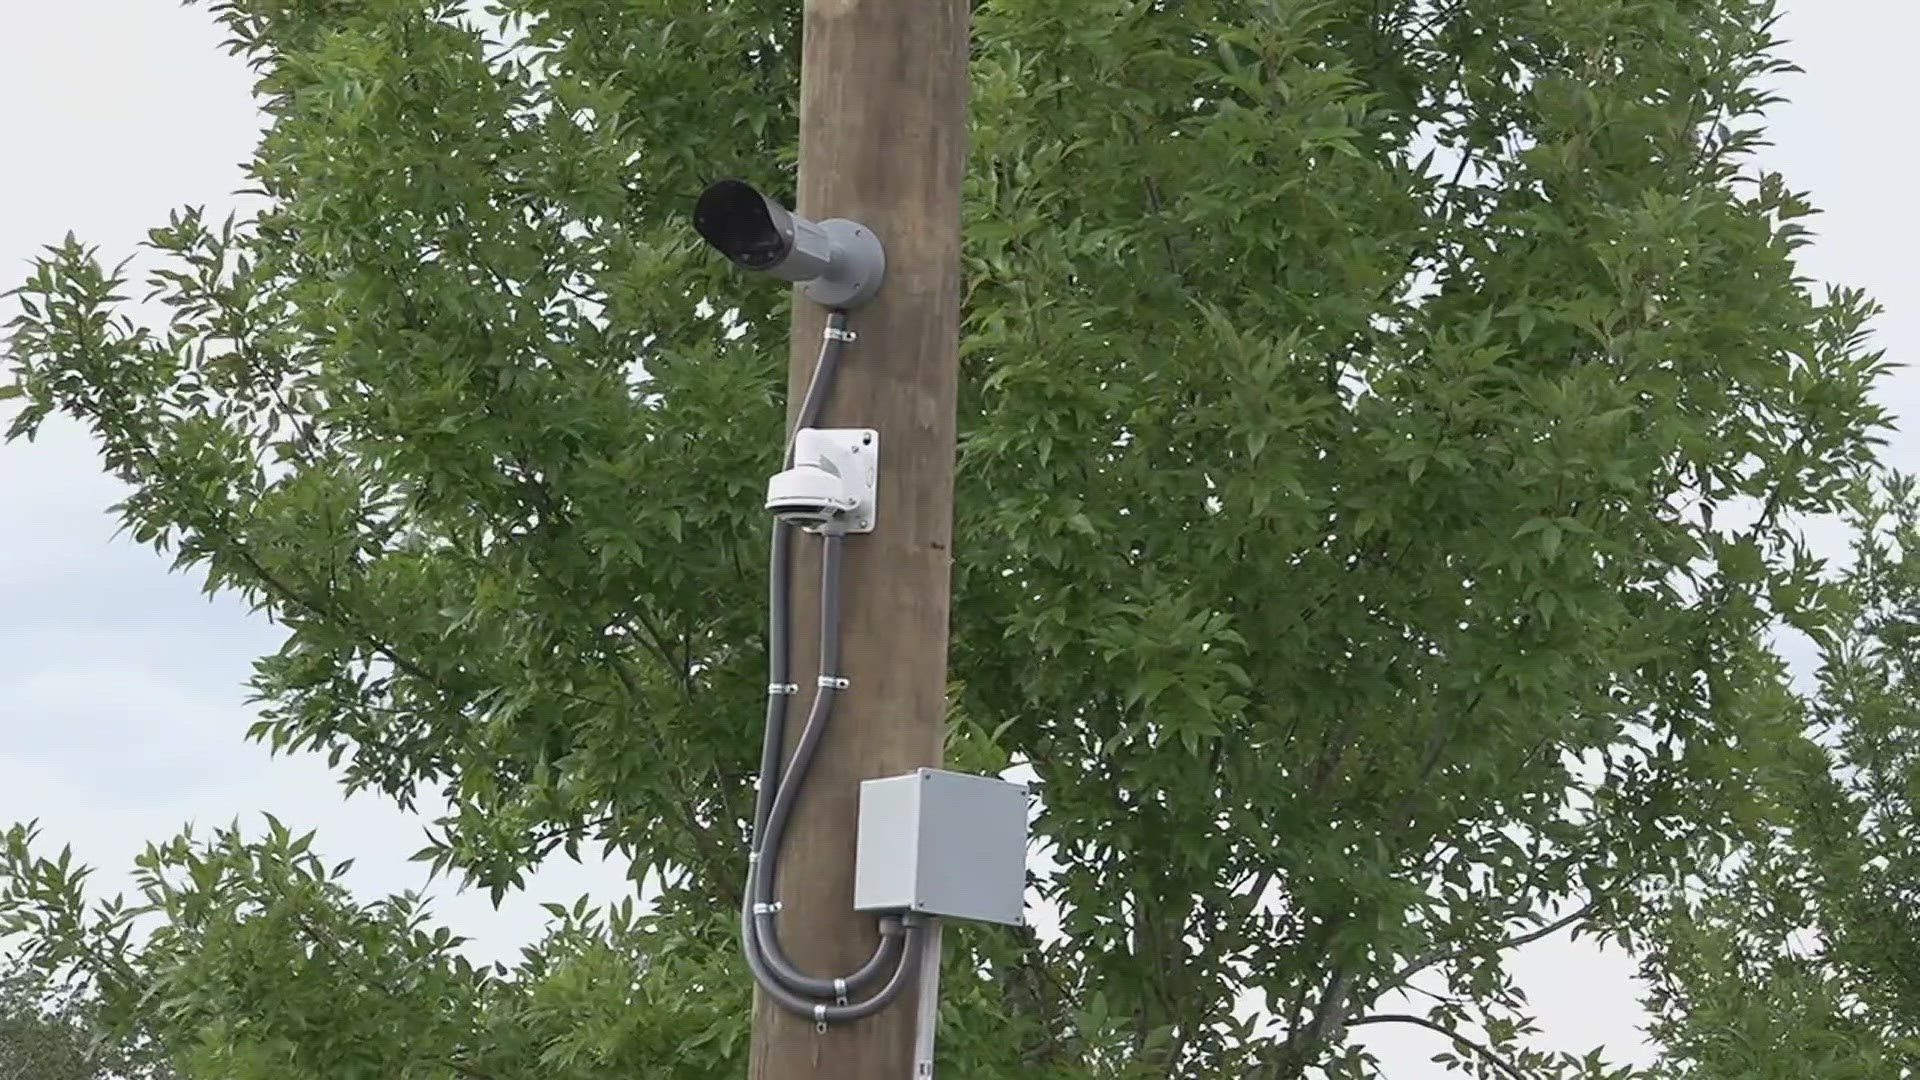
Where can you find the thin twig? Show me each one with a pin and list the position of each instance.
(1515, 942)
(1485, 1052)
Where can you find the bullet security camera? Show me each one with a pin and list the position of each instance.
(837, 263)
(834, 480)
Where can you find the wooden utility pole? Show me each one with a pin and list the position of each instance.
(883, 141)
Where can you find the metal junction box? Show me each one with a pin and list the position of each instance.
(942, 843)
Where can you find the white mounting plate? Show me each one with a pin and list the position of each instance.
(854, 453)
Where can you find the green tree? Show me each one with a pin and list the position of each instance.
(1794, 954)
(48, 1033)
(36, 1045)
(1381, 422)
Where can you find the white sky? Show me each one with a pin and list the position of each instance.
(121, 686)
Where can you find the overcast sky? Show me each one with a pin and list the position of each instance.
(122, 687)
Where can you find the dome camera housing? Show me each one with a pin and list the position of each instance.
(833, 482)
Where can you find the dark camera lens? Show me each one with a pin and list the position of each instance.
(743, 224)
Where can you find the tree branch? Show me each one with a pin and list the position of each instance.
(1484, 1051)
(1439, 16)
(1550, 929)
(1295, 1053)
(1432, 959)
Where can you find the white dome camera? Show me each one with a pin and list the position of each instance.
(835, 480)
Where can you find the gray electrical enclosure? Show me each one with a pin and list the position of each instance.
(942, 843)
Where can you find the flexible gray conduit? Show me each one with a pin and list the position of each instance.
(824, 1001)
